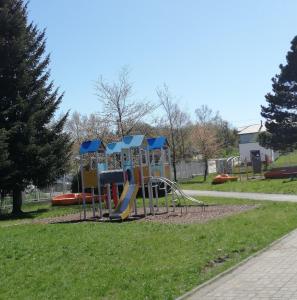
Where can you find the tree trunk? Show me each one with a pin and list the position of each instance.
(205, 169)
(174, 170)
(17, 202)
(174, 161)
(173, 153)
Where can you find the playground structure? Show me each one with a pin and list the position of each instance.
(117, 172)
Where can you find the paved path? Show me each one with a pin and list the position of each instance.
(252, 196)
(270, 275)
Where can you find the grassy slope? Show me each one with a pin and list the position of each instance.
(131, 260)
(278, 186)
(289, 159)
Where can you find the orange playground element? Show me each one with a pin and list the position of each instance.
(72, 199)
(114, 194)
(222, 178)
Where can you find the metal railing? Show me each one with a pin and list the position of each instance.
(176, 189)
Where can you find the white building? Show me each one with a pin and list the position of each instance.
(249, 146)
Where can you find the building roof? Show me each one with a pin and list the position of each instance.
(91, 146)
(159, 142)
(251, 129)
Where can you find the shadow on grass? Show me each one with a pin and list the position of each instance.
(24, 215)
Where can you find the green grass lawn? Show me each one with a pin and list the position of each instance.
(38, 210)
(278, 186)
(131, 260)
(286, 160)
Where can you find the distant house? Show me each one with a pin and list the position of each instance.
(249, 146)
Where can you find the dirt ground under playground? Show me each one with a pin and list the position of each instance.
(181, 215)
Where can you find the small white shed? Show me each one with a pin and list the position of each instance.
(249, 146)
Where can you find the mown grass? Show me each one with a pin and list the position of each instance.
(38, 210)
(132, 260)
(286, 160)
(272, 186)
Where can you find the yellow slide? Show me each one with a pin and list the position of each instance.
(126, 202)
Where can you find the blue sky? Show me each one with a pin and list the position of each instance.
(219, 53)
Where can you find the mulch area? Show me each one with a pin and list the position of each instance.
(197, 214)
(180, 215)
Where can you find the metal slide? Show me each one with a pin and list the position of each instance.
(176, 189)
(126, 202)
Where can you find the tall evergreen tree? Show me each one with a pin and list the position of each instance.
(281, 111)
(4, 162)
(35, 148)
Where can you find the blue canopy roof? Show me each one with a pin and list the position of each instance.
(91, 146)
(130, 141)
(159, 142)
(115, 147)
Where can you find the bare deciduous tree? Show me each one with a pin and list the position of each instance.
(86, 127)
(206, 142)
(204, 135)
(183, 125)
(119, 109)
(172, 112)
(205, 115)
(226, 135)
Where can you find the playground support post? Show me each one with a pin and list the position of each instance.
(142, 181)
(172, 192)
(165, 184)
(149, 183)
(83, 186)
(109, 199)
(92, 193)
(132, 171)
(99, 187)
(157, 197)
(166, 197)
(93, 203)
(151, 198)
(173, 199)
(122, 165)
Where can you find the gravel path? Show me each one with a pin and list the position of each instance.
(239, 195)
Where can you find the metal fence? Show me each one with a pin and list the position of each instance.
(34, 195)
(189, 169)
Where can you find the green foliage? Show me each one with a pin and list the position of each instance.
(280, 112)
(132, 260)
(76, 183)
(228, 139)
(36, 150)
(4, 162)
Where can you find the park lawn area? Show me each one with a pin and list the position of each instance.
(285, 160)
(38, 210)
(132, 260)
(271, 186)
